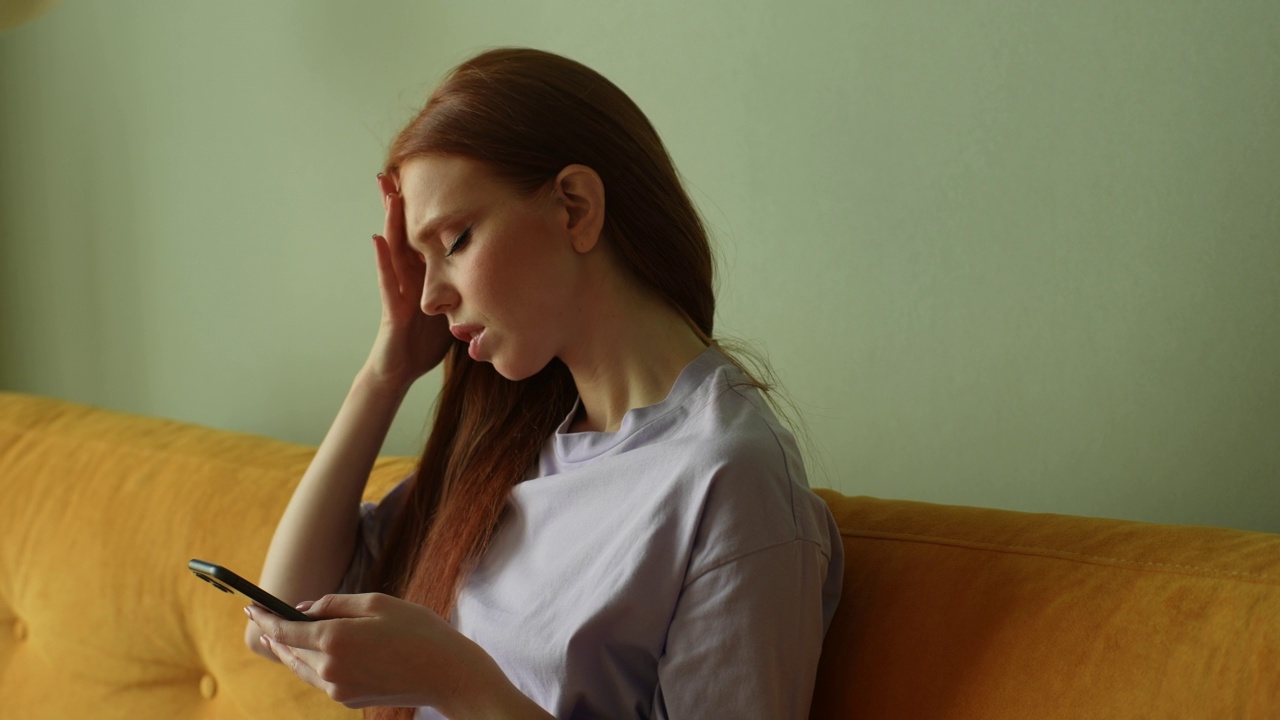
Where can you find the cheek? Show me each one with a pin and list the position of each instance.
(500, 288)
(523, 277)
(485, 276)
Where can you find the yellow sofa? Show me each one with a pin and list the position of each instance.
(948, 612)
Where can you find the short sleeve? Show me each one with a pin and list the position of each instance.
(746, 636)
(375, 524)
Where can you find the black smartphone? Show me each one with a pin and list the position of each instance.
(228, 582)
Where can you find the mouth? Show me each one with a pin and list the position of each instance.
(470, 334)
(466, 332)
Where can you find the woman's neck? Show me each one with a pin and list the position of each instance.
(634, 347)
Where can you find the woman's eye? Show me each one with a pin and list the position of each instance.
(459, 242)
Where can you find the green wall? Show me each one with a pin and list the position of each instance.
(1011, 253)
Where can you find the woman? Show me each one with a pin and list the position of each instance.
(607, 519)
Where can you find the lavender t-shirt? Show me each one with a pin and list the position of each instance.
(677, 568)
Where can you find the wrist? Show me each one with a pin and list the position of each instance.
(369, 380)
(487, 694)
(509, 704)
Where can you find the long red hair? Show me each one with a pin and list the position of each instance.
(526, 114)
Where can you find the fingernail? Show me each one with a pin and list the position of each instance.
(266, 641)
(248, 614)
(305, 605)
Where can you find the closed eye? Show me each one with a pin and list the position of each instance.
(460, 242)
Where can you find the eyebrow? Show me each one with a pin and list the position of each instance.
(433, 227)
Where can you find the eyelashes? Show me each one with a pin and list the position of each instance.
(460, 242)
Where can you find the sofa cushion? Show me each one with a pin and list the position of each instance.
(98, 614)
(948, 612)
(955, 612)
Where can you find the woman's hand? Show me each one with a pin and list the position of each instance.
(375, 649)
(409, 343)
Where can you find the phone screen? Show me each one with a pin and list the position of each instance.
(229, 582)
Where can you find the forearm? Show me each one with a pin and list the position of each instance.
(314, 540)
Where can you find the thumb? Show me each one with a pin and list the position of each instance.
(331, 607)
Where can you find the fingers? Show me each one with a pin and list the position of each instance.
(310, 650)
(386, 185)
(407, 264)
(293, 644)
(294, 634)
(303, 663)
(309, 636)
(405, 276)
(394, 225)
(392, 228)
(388, 282)
(308, 665)
(368, 650)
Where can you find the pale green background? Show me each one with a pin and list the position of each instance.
(1011, 253)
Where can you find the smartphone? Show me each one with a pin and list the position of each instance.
(228, 582)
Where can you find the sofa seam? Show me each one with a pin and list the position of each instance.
(214, 460)
(1054, 552)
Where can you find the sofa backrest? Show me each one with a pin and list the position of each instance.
(971, 613)
(947, 613)
(99, 616)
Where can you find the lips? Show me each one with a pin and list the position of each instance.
(470, 334)
(466, 332)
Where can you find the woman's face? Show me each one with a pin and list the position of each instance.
(500, 267)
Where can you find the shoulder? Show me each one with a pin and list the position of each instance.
(752, 490)
(729, 424)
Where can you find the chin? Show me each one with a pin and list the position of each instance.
(517, 371)
(513, 376)
(514, 373)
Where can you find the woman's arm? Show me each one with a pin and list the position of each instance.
(746, 637)
(316, 537)
(375, 649)
(313, 543)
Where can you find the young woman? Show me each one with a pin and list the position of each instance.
(607, 519)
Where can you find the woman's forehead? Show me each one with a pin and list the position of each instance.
(436, 186)
(442, 176)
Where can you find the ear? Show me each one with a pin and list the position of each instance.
(578, 193)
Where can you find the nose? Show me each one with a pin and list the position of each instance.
(437, 294)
